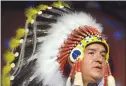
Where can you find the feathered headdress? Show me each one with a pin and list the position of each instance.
(57, 35)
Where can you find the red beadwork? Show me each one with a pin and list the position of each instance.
(95, 31)
(74, 39)
(76, 35)
(76, 67)
(85, 31)
(68, 45)
(65, 49)
(70, 42)
(81, 33)
(105, 75)
(63, 58)
(62, 63)
(108, 67)
(72, 71)
(90, 30)
(63, 54)
(79, 63)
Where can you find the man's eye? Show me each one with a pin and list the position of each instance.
(103, 55)
(91, 53)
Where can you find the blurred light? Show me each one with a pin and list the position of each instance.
(7, 43)
(93, 5)
(115, 25)
(118, 35)
(30, 3)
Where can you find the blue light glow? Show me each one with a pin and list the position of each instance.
(118, 35)
(7, 43)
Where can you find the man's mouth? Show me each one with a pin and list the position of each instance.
(98, 68)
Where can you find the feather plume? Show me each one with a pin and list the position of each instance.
(47, 67)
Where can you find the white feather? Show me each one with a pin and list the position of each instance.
(68, 82)
(47, 68)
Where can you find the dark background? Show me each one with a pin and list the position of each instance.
(111, 14)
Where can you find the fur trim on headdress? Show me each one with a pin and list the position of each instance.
(47, 67)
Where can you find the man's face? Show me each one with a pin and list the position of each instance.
(93, 64)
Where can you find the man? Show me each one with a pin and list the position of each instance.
(73, 53)
(93, 65)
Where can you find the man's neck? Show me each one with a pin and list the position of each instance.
(85, 83)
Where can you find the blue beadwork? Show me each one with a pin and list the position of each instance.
(75, 54)
(89, 36)
(99, 38)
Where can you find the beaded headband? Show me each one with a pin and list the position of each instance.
(77, 41)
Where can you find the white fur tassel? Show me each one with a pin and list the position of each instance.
(78, 79)
(68, 83)
(111, 80)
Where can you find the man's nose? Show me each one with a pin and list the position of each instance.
(99, 59)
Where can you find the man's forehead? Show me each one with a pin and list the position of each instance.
(95, 47)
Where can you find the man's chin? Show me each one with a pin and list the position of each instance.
(96, 78)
